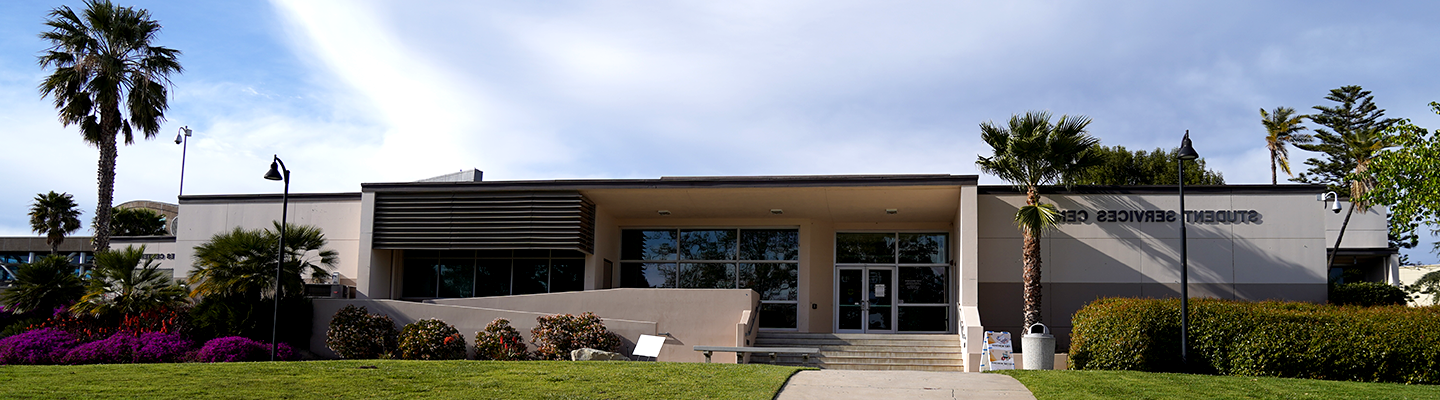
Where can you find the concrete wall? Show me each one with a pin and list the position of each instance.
(339, 219)
(1280, 255)
(691, 316)
(1367, 229)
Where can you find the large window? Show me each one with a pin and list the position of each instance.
(469, 273)
(766, 260)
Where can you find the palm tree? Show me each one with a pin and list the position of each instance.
(1283, 127)
(1361, 145)
(109, 80)
(42, 286)
(1030, 152)
(238, 263)
(125, 282)
(54, 215)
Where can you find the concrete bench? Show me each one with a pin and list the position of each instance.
(773, 351)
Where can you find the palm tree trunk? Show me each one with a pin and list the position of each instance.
(1340, 236)
(1272, 167)
(1031, 258)
(106, 198)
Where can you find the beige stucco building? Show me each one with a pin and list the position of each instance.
(729, 260)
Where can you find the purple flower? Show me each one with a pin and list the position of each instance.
(235, 348)
(37, 346)
(156, 347)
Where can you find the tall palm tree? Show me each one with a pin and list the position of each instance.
(108, 79)
(239, 263)
(1361, 145)
(1283, 127)
(43, 286)
(125, 282)
(54, 215)
(1030, 152)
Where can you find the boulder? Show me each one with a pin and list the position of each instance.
(589, 354)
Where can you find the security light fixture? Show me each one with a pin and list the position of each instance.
(182, 138)
(892, 211)
(663, 212)
(1330, 198)
(777, 211)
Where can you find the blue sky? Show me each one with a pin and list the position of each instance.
(374, 91)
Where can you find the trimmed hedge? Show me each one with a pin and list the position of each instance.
(500, 341)
(431, 339)
(1367, 294)
(355, 333)
(555, 336)
(1283, 339)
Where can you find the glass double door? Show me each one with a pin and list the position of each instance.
(866, 299)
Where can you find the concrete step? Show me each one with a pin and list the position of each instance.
(927, 352)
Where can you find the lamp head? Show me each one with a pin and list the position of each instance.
(184, 132)
(1187, 153)
(1335, 207)
(274, 173)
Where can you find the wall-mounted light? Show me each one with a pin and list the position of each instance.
(892, 211)
(1330, 198)
(663, 212)
(777, 211)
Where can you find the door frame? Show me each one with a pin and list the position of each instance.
(890, 292)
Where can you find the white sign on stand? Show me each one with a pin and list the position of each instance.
(997, 352)
(649, 346)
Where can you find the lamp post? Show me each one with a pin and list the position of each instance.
(1186, 153)
(182, 138)
(276, 167)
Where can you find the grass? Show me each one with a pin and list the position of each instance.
(1131, 385)
(386, 379)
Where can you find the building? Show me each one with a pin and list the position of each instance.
(728, 260)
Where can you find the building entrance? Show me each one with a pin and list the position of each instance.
(892, 283)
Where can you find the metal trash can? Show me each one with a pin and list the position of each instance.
(1039, 348)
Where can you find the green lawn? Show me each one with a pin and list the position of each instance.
(1130, 385)
(383, 379)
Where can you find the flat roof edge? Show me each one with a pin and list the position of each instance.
(266, 198)
(1161, 189)
(686, 183)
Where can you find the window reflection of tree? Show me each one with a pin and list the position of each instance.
(923, 285)
(770, 244)
(922, 248)
(707, 244)
(457, 278)
(707, 276)
(865, 247)
(659, 245)
(772, 281)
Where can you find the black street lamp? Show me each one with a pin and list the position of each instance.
(1186, 153)
(182, 138)
(276, 167)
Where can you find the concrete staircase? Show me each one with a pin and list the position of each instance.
(867, 351)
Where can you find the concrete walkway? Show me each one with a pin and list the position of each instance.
(832, 384)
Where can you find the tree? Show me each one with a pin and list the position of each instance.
(136, 222)
(237, 263)
(42, 286)
(1356, 113)
(1282, 127)
(1120, 166)
(125, 282)
(1407, 179)
(1030, 152)
(54, 215)
(109, 80)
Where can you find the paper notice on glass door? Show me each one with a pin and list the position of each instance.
(880, 290)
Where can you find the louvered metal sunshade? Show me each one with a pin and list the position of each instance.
(484, 221)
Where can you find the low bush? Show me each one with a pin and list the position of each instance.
(116, 349)
(1283, 339)
(555, 336)
(236, 348)
(500, 341)
(1367, 294)
(159, 347)
(431, 339)
(36, 346)
(356, 334)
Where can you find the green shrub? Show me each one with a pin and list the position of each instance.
(1282, 339)
(357, 334)
(500, 341)
(557, 335)
(431, 339)
(1367, 294)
